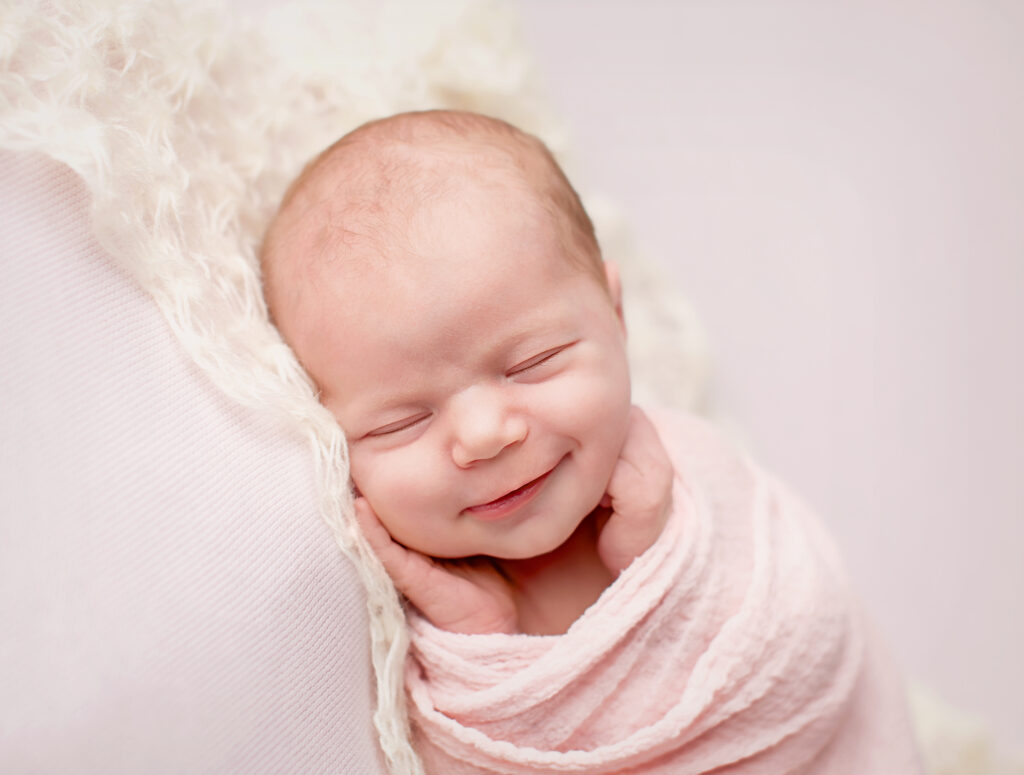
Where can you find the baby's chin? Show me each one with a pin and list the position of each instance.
(547, 543)
(521, 551)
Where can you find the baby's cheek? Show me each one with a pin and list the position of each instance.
(373, 479)
(399, 484)
(602, 414)
(597, 400)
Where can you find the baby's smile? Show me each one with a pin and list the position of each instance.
(509, 503)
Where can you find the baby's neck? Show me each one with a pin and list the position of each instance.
(552, 590)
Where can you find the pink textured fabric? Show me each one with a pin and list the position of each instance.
(170, 599)
(732, 646)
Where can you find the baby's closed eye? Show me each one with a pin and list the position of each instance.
(399, 425)
(541, 359)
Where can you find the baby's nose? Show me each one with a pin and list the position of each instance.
(483, 425)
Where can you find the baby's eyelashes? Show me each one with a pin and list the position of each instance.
(398, 425)
(537, 360)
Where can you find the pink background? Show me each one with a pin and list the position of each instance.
(839, 189)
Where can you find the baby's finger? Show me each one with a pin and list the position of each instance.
(643, 441)
(406, 568)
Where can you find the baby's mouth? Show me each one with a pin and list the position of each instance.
(499, 507)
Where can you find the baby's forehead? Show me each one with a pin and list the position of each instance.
(381, 209)
(397, 179)
(434, 241)
(360, 199)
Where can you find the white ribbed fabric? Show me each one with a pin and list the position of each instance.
(170, 597)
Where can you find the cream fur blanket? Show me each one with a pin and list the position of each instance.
(186, 122)
(733, 646)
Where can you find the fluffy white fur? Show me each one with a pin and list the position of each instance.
(187, 124)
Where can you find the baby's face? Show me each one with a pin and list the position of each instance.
(480, 377)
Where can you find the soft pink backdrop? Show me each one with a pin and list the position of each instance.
(839, 188)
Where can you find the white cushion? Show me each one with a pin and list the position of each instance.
(171, 599)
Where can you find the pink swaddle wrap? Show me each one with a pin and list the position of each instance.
(732, 645)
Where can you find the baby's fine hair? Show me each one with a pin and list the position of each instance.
(358, 189)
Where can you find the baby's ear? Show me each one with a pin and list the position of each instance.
(611, 275)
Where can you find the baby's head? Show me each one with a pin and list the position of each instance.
(439, 280)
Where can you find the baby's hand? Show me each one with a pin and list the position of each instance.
(639, 496)
(468, 596)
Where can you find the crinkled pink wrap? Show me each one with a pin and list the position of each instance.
(733, 645)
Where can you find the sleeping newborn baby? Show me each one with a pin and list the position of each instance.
(589, 591)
